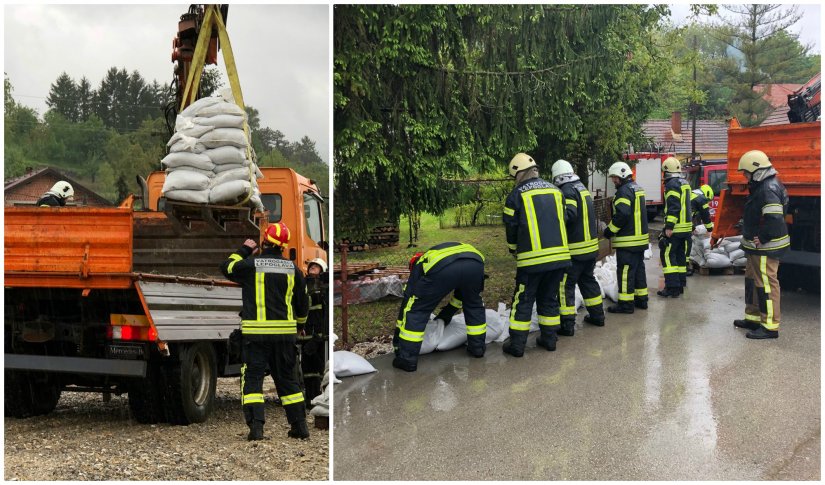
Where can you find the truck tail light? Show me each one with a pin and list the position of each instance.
(131, 327)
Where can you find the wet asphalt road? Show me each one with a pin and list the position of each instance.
(671, 393)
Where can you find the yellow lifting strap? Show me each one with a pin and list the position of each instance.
(212, 18)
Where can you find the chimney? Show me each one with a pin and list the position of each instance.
(676, 125)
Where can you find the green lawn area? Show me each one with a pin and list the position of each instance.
(376, 321)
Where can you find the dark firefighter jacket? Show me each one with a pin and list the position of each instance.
(765, 211)
(441, 255)
(629, 222)
(274, 292)
(700, 208)
(51, 200)
(678, 213)
(534, 221)
(580, 220)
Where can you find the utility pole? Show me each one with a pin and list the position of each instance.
(693, 107)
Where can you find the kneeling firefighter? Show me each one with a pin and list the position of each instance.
(444, 268)
(274, 305)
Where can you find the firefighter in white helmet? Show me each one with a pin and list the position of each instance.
(678, 228)
(537, 237)
(57, 196)
(628, 233)
(765, 240)
(316, 333)
(583, 243)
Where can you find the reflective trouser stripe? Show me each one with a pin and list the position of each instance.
(477, 329)
(753, 318)
(456, 302)
(549, 321)
(763, 268)
(596, 300)
(623, 294)
(409, 335)
(641, 292)
(669, 267)
(517, 324)
(243, 377)
(292, 399)
(253, 398)
(564, 308)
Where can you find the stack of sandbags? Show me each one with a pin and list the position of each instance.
(605, 273)
(700, 249)
(209, 160)
(734, 252)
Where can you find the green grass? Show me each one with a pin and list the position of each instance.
(376, 321)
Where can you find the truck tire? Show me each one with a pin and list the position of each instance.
(29, 394)
(146, 397)
(190, 384)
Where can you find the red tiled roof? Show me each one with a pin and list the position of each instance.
(779, 116)
(776, 94)
(711, 136)
(9, 182)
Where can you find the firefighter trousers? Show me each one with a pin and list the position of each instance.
(580, 273)
(312, 363)
(278, 353)
(674, 265)
(762, 291)
(631, 277)
(541, 289)
(463, 277)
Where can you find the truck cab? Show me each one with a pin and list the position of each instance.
(708, 172)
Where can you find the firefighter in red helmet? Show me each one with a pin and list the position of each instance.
(275, 308)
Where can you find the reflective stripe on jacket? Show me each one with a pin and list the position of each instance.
(678, 214)
(580, 221)
(700, 209)
(629, 222)
(765, 211)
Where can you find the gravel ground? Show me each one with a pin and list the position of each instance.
(369, 350)
(87, 439)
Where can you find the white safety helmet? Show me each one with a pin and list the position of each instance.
(320, 262)
(62, 189)
(521, 161)
(754, 160)
(671, 165)
(561, 167)
(619, 169)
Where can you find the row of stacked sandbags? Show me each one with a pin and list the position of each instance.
(726, 253)
(210, 160)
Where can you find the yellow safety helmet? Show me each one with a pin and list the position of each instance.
(707, 191)
(754, 160)
(521, 161)
(671, 165)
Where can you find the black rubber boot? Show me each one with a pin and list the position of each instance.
(689, 271)
(567, 327)
(475, 351)
(256, 431)
(594, 321)
(515, 344)
(640, 304)
(619, 308)
(299, 430)
(746, 324)
(762, 333)
(672, 292)
(547, 338)
(404, 365)
(476, 345)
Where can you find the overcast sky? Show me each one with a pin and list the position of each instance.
(281, 52)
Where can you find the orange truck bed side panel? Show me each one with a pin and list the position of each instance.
(70, 240)
(794, 150)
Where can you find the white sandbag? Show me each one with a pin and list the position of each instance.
(185, 180)
(255, 201)
(717, 260)
(648, 252)
(226, 155)
(612, 290)
(730, 246)
(504, 322)
(347, 364)
(455, 334)
(194, 196)
(494, 324)
(222, 108)
(719, 250)
(258, 173)
(206, 173)
(737, 254)
(230, 191)
(577, 296)
(231, 166)
(195, 131)
(733, 239)
(242, 173)
(223, 137)
(195, 160)
(188, 145)
(432, 335)
(700, 230)
(192, 109)
(220, 121)
(741, 262)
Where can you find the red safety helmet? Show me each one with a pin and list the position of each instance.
(415, 259)
(277, 234)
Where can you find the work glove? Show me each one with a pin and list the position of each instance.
(607, 233)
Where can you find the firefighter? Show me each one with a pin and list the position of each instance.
(700, 209)
(537, 238)
(628, 231)
(444, 268)
(678, 228)
(275, 305)
(583, 243)
(313, 339)
(765, 240)
(57, 196)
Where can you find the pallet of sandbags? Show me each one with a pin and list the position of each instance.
(210, 160)
(726, 258)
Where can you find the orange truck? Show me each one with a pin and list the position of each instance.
(795, 153)
(131, 300)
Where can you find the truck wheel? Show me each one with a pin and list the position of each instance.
(146, 396)
(190, 384)
(29, 394)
